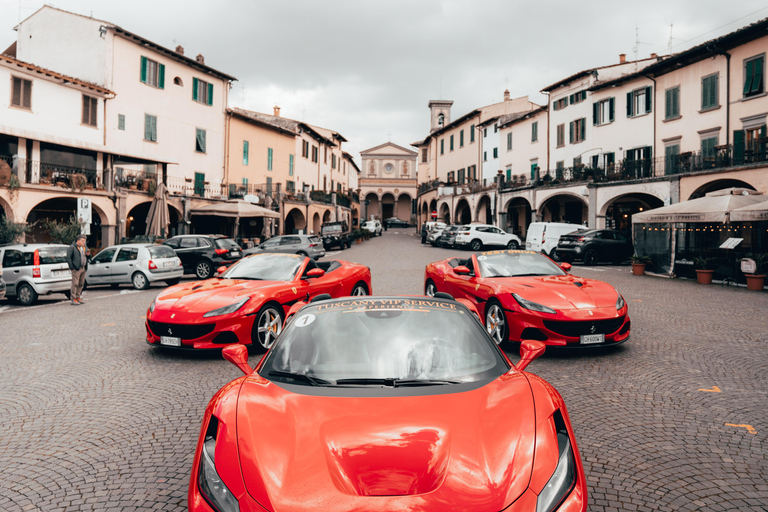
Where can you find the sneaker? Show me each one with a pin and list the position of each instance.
(75, 303)
(80, 300)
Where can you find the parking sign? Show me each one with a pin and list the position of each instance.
(84, 215)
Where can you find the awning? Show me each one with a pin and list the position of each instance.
(751, 213)
(714, 207)
(235, 209)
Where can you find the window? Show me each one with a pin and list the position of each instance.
(578, 130)
(290, 165)
(200, 140)
(150, 128)
(442, 146)
(485, 156)
(120, 122)
(424, 155)
(485, 132)
(269, 159)
(560, 135)
(245, 152)
(90, 111)
(577, 162)
(559, 166)
(639, 102)
(577, 97)
(451, 142)
(708, 147)
(495, 152)
(461, 139)
(509, 173)
(451, 176)
(127, 254)
(495, 128)
(177, 81)
(305, 149)
(671, 161)
(472, 134)
(753, 75)
(709, 92)
(333, 161)
(315, 154)
(535, 131)
(22, 93)
(603, 111)
(461, 176)
(672, 103)
(509, 141)
(202, 91)
(290, 186)
(560, 104)
(269, 186)
(152, 73)
(199, 184)
(245, 183)
(440, 120)
(534, 168)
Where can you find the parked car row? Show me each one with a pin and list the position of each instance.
(471, 236)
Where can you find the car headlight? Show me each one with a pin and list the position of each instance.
(152, 306)
(620, 301)
(563, 479)
(227, 309)
(211, 486)
(533, 306)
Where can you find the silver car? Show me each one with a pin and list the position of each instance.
(31, 270)
(304, 245)
(136, 264)
(373, 226)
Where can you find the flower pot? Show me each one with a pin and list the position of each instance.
(704, 276)
(358, 241)
(755, 282)
(638, 269)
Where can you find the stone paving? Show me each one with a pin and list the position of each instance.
(675, 419)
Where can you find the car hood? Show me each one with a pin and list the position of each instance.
(560, 292)
(203, 296)
(471, 450)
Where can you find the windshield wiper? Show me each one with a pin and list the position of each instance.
(393, 382)
(530, 275)
(300, 377)
(246, 278)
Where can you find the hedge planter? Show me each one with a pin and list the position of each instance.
(638, 269)
(704, 276)
(755, 282)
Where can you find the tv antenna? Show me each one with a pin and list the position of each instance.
(637, 44)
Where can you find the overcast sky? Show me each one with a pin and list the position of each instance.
(367, 69)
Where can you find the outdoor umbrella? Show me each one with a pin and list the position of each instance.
(158, 218)
(714, 207)
(752, 213)
(235, 209)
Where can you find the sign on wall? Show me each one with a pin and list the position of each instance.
(84, 215)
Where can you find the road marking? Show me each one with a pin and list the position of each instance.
(749, 428)
(332, 253)
(105, 325)
(9, 309)
(593, 268)
(714, 389)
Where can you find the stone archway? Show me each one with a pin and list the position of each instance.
(404, 207)
(373, 208)
(519, 216)
(62, 209)
(326, 216)
(176, 217)
(316, 223)
(721, 184)
(444, 213)
(618, 212)
(136, 220)
(387, 206)
(295, 221)
(463, 213)
(483, 213)
(568, 208)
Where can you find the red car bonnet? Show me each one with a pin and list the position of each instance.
(559, 292)
(202, 296)
(461, 451)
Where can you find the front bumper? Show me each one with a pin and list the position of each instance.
(565, 330)
(208, 333)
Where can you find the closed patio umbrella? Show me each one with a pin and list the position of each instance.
(158, 218)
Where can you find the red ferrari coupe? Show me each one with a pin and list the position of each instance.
(386, 404)
(248, 301)
(524, 295)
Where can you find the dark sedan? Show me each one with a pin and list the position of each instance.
(595, 246)
(394, 222)
(203, 254)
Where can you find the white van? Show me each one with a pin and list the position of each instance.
(543, 236)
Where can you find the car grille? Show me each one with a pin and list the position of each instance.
(185, 332)
(576, 329)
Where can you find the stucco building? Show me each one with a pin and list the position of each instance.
(388, 183)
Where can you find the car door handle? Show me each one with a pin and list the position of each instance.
(16, 271)
(130, 264)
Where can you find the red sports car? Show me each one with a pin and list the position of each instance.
(386, 404)
(248, 301)
(524, 295)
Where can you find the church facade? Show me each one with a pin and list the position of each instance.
(388, 184)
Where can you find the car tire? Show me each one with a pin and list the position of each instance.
(26, 295)
(590, 257)
(430, 289)
(267, 326)
(553, 254)
(359, 290)
(475, 245)
(139, 281)
(203, 269)
(512, 245)
(173, 282)
(496, 323)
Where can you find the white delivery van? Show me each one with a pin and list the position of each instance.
(543, 236)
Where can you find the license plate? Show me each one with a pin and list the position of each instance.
(169, 264)
(565, 242)
(64, 272)
(235, 253)
(170, 341)
(589, 339)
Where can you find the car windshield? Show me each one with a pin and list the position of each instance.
(265, 267)
(226, 243)
(161, 251)
(334, 228)
(315, 240)
(516, 264)
(52, 255)
(383, 342)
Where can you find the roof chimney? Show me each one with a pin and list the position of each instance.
(200, 58)
(277, 111)
(622, 58)
(180, 50)
(506, 95)
(654, 56)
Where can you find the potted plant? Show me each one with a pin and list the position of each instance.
(756, 281)
(704, 270)
(639, 263)
(78, 182)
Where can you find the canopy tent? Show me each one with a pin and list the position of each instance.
(235, 209)
(676, 233)
(158, 218)
(753, 213)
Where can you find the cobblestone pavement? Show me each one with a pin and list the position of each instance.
(675, 419)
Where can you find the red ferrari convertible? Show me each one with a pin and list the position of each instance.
(524, 295)
(386, 404)
(248, 301)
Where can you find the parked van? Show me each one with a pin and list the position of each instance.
(543, 236)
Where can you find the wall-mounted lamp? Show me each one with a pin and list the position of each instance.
(102, 31)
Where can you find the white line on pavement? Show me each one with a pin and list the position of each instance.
(334, 253)
(8, 309)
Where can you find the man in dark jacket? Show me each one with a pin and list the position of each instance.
(424, 232)
(77, 260)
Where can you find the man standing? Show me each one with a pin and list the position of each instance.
(78, 262)
(424, 233)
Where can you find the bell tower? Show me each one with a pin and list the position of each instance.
(440, 114)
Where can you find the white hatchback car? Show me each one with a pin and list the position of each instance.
(476, 236)
(136, 264)
(373, 226)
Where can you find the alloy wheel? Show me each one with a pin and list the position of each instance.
(359, 290)
(431, 289)
(203, 270)
(270, 325)
(495, 323)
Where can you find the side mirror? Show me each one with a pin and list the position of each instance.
(462, 270)
(529, 350)
(238, 355)
(221, 269)
(566, 266)
(315, 272)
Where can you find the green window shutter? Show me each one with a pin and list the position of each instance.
(245, 152)
(147, 127)
(629, 104)
(199, 183)
(210, 94)
(676, 101)
(451, 142)
(269, 159)
(290, 165)
(144, 69)
(595, 109)
(161, 76)
(509, 141)
(648, 99)
(749, 75)
(461, 138)
(245, 182)
(583, 129)
(757, 76)
(570, 131)
(571, 98)
(535, 131)
(713, 91)
(442, 146)
(611, 108)
(472, 133)
(738, 146)
(194, 89)
(554, 105)
(705, 84)
(668, 103)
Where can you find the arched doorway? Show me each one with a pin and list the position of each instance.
(316, 223)
(618, 212)
(519, 216)
(564, 208)
(484, 213)
(387, 206)
(61, 209)
(404, 207)
(175, 217)
(326, 216)
(463, 212)
(444, 214)
(294, 221)
(136, 221)
(373, 207)
(712, 186)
